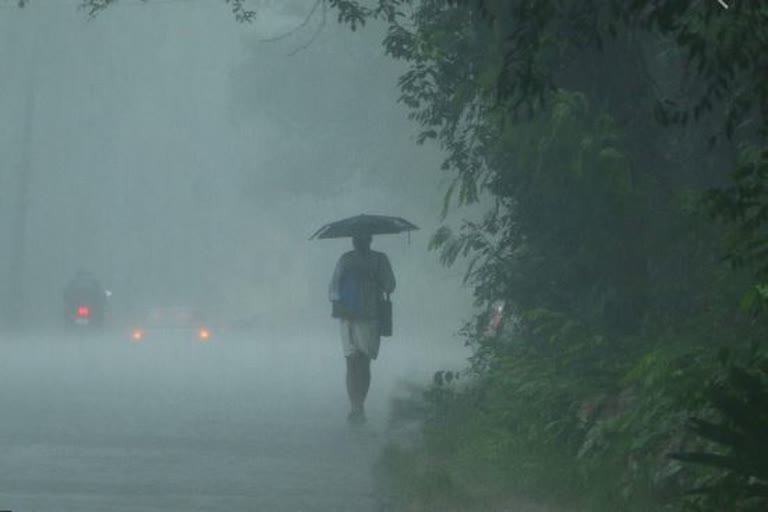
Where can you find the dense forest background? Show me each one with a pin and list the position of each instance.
(620, 268)
(623, 147)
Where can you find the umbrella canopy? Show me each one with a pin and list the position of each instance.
(364, 225)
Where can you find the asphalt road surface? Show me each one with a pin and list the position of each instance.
(240, 422)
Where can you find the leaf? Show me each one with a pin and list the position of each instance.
(749, 299)
(425, 135)
(447, 199)
(718, 433)
(709, 459)
(440, 237)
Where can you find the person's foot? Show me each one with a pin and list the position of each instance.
(356, 417)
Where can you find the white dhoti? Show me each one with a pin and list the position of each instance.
(360, 335)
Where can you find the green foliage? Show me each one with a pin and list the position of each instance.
(580, 430)
(597, 238)
(475, 65)
(736, 443)
(725, 49)
(421, 486)
(745, 206)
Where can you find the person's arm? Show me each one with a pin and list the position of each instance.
(386, 276)
(333, 287)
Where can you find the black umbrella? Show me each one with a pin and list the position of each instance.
(364, 225)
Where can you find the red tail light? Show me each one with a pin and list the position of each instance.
(83, 310)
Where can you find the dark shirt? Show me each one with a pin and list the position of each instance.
(379, 278)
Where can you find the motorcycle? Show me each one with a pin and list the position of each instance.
(84, 314)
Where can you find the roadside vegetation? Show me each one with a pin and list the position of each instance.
(621, 146)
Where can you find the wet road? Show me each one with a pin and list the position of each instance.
(237, 423)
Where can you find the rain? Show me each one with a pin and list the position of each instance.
(383, 255)
(184, 160)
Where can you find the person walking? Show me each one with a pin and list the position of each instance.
(361, 280)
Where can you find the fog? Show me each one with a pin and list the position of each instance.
(185, 159)
(181, 158)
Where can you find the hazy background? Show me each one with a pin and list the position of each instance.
(185, 161)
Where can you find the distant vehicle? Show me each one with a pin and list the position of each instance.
(84, 315)
(85, 301)
(176, 322)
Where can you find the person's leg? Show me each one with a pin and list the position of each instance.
(352, 392)
(358, 380)
(364, 376)
(350, 350)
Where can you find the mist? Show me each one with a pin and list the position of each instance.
(184, 159)
(587, 335)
